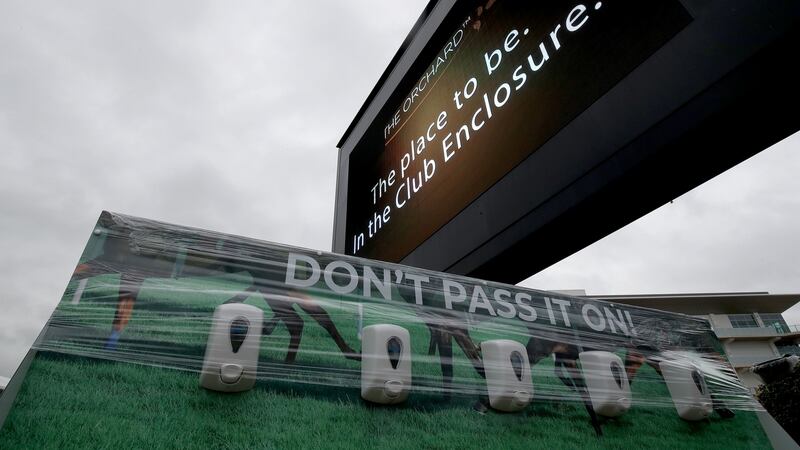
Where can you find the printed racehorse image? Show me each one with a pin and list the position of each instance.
(650, 347)
(283, 311)
(138, 252)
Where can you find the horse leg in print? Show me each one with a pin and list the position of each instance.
(566, 368)
(462, 338)
(473, 352)
(281, 312)
(324, 320)
(445, 346)
(442, 337)
(129, 286)
(294, 323)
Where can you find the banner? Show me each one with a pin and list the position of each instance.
(155, 294)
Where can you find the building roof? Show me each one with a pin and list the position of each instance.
(709, 303)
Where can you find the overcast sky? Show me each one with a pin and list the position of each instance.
(225, 116)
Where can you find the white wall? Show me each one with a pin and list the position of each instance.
(757, 351)
(720, 321)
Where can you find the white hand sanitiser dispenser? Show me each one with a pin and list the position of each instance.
(606, 382)
(231, 359)
(688, 389)
(385, 364)
(508, 374)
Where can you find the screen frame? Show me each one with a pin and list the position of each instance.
(644, 133)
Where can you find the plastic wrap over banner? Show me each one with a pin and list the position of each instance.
(242, 312)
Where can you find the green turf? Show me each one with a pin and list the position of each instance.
(75, 402)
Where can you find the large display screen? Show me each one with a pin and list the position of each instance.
(507, 76)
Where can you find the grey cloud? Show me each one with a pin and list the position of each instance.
(737, 232)
(204, 113)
